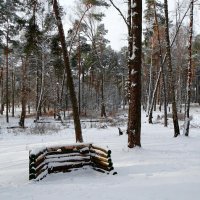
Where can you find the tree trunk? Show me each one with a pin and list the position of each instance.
(79, 75)
(149, 98)
(161, 66)
(23, 92)
(40, 98)
(189, 74)
(171, 78)
(103, 107)
(37, 88)
(134, 64)
(2, 91)
(70, 83)
(7, 94)
(13, 93)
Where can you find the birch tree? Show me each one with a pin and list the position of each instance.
(189, 73)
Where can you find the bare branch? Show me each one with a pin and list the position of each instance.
(78, 26)
(111, 1)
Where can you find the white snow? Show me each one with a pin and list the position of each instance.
(165, 168)
(133, 72)
(133, 84)
(133, 5)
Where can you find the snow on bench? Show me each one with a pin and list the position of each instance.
(54, 159)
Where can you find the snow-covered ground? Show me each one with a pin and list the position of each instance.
(165, 168)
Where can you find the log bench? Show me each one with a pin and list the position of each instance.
(54, 159)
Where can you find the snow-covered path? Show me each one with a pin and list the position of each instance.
(165, 168)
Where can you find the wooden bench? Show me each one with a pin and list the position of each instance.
(56, 159)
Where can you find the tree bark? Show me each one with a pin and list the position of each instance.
(23, 92)
(161, 67)
(189, 74)
(13, 92)
(7, 91)
(2, 91)
(70, 83)
(134, 64)
(40, 98)
(171, 78)
(161, 72)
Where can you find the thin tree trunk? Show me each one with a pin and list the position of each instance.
(123, 91)
(150, 82)
(7, 94)
(134, 64)
(39, 104)
(83, 92)
(23, 92)
(189, 74)
(2, 91)
(159, 74)
(103, 108)
(79, 75)
(13, 93)
(70, 83)
(161, 66)
(37, 87)
(171, 78)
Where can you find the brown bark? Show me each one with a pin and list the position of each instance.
(7, 92)
(170, 72)
(189, 74)
(100, 154)
(161, 67)
(101, 149)
(134, 64)
(101, 159)
(13, 93)
(70, 83)
(23, 92)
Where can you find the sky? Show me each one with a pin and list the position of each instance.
(117, 31)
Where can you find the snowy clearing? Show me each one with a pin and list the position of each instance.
(165, 168)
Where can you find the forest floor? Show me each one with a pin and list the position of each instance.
(164, 168)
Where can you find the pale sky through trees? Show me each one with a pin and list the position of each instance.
(114, 23)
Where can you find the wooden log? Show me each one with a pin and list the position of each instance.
(41, 170)
(101, 149)
(39, 167)
(101, 163)
(33, 156)
(32, 165)
(42, 175)
(32, 170)
(101, 159)
(66, 168)
(81, 148)
(71, 147)
(64, 154)
(96, 165)
(60, 155)
(99, 170)
(40, 160)
(68, 151)
(32, 176)
(94, 152)
(71, 160)
(13, 127)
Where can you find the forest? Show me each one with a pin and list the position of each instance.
(65, 84)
